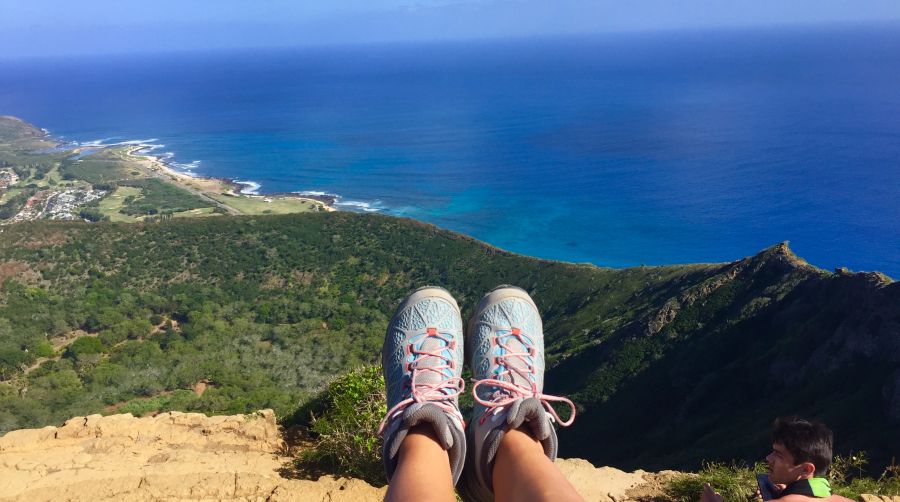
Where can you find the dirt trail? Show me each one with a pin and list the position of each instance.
(59, 343)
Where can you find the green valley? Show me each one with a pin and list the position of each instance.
(669, 365)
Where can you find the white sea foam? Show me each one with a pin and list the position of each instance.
(252, 187)
(96, 142)
(145, 150)
(103, 142)
(316, 193)
(347, 205)
(186, 166)
(368, 207)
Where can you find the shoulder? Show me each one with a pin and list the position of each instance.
(804, 498)
(797, 498)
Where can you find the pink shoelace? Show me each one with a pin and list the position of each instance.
(507, 392)
(430, 392)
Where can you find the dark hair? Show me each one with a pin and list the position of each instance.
(806, 441)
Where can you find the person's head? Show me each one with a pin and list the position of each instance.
(800, 450)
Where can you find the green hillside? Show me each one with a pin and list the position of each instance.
(669, 365)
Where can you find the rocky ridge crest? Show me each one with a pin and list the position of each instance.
(189, 456)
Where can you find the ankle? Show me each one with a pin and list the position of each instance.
(424, 430)
(518, 441)
(423, 469)
(421, 439)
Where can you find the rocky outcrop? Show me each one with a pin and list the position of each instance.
(777, 259)
(189, 456)
(173, 456)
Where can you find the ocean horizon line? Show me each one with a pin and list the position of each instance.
(647, 151)
(616, 35)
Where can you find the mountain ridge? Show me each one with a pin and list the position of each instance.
(267, 308)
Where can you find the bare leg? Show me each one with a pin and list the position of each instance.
(423, 469)
(523, 472)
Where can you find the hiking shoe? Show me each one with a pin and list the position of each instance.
(506, 341)
(422, 361)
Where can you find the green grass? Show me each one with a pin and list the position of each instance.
(112, 204)
(54, 177)
(177, 400)
(343, 422)
(737, 482)
(9, 194)
(196, 213)
(158, 196)
(96, 169)
(257, 205)
(14, 204)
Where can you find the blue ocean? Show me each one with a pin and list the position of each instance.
(618, 150)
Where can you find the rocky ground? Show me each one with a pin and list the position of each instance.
(189, 456)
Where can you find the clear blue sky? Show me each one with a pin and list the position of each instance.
(57, 27)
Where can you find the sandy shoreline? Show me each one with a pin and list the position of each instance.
(220, 186)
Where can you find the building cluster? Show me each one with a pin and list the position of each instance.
(65, 205)
(57, 204)
(8, 178)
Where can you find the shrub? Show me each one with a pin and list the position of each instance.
(847, 477)
(736, 482)
(11, 358)
(91, 214)
(343, 422)
(43, 348)
(83, 346)
(179, 400)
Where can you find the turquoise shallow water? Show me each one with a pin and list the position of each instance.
(619, 150)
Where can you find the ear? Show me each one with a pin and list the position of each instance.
(808, 469)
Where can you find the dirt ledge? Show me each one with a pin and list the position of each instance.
(189, 456)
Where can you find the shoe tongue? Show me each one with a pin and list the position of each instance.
(514, 344)
(530, 412)
(430, 344)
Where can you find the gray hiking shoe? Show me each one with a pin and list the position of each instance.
(422, 359)
(506, 341)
